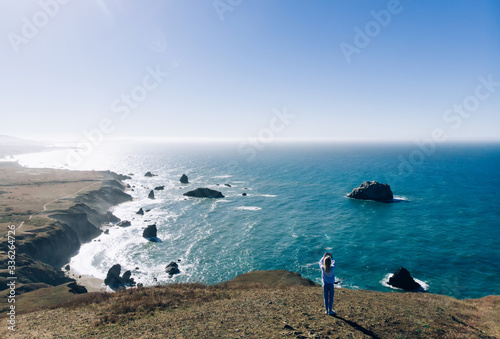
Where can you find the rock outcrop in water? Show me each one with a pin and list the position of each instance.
(372, 190)
(151, 195)
(149, 174)
(150, 232)
(403, 279)
(204, 193)
(140, 211)
(172, 268)
(184, 179)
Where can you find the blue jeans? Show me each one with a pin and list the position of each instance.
(328, 293)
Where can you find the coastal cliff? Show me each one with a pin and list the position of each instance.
(78, 224)
(72, 206)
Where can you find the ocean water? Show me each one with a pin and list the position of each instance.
(443, 226)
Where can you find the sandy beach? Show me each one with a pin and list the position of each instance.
(91, 283)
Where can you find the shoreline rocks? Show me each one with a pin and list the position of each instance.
(124, 223)
(77, 289)
(172, 268)
(372, 190)
(204, 193)
(115, 281)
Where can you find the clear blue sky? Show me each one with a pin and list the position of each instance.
(226, 77)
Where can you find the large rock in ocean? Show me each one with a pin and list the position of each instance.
(150, 232)
(151, 195)
(172, 268)
(184, 179)
(149, 174)
(372, 190)
(204, 193)
(403, 279)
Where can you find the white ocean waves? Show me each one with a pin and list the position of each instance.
(249, 208)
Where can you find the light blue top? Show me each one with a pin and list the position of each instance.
(328, 277)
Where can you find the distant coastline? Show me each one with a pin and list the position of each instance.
(11, 146)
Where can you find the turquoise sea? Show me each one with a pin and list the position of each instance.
(444, 225)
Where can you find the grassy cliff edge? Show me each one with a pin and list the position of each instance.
(263, 304)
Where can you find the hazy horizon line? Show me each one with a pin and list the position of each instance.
(228, 140)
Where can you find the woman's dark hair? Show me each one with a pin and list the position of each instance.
(328, 263)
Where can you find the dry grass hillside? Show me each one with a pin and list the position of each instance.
(281, 307)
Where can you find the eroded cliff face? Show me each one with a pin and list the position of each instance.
(42, 253)
(111, 193)
(52, 245)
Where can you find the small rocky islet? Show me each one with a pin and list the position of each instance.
(372, 190)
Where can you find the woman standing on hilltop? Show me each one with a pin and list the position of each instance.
(327, 265)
